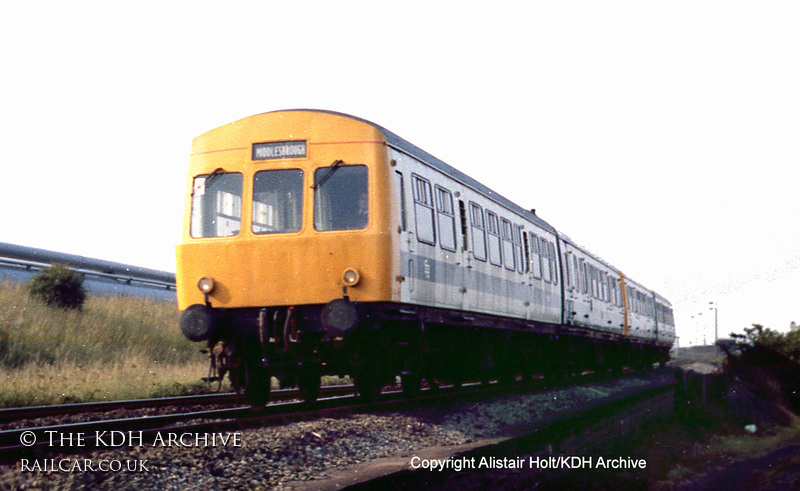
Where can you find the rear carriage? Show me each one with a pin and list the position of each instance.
(318, 243)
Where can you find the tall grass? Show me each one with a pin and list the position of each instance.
(115, 348)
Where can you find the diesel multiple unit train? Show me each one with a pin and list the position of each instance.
(319, 243)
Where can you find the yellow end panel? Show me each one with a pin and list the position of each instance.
(285, 271)
(230, 146)
(306, 266)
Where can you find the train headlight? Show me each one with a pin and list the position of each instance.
(351, 277)
(206, 285)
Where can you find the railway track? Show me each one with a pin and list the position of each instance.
(29, 413)
(120, 432)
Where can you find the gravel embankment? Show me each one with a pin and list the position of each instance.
(271, 457)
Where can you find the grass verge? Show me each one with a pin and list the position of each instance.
(115, 348)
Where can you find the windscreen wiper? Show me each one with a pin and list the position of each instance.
(334, 167)
(213, 176)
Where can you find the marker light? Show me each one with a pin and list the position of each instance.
(206, 285)
(351, 277)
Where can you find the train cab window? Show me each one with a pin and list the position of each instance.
(423, 210)
(216, 205)
(495, 253)
(446, 219)
(508, 244)
(341, 198)
(478, 232)
(536, 257)
(277, 201)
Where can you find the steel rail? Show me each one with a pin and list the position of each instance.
(33, 412)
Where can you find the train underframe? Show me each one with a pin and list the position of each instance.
(378, 342)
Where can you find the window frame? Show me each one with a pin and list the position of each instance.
(536, 257)
(478, 222)
(506, 232)
(517, 233)
(423, 204)
(322, 202)
(254, 202)
(200, 191)
(493, 230)
(441, 211)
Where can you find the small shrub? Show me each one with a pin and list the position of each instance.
(58, 286)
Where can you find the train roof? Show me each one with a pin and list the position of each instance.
(406, 147)
(395, 141)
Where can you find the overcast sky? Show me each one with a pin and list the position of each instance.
(662, 136)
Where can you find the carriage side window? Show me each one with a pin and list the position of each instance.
(544, 253)
(601, 284)
(495, 253)
(517, 231)
(568, 275)
(277, 201)
(536, 257)
(601, 291)
(553, 264)
(447, 219)
(584, 277)
(508, 244)
(576, 273)
(598, 288)
(478, 232)
(423, 210)
(612, 284)
(216, 205)
(341, 198)
(401, 189)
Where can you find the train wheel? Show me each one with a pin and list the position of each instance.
(258, 382)
(308, 381)
(411, 384)
(367, 387)
(506, 378)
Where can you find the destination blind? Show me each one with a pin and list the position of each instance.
(279, 150)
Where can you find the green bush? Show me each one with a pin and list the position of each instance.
(58, 286)
(786, 343)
